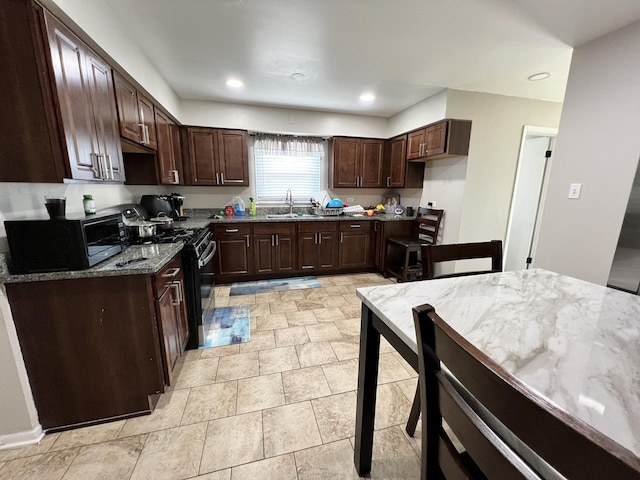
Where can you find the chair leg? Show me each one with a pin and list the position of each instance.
(414, 414)
(405, 269)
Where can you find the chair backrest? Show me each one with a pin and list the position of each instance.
(433, 254)
(428, 224)
(507, 430)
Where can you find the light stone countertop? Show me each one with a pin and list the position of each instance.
(197, 216)
(575, 343)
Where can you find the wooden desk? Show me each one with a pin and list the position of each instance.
(575, 343)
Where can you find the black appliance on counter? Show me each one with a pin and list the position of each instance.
(198, 251)
(171, 205)
(39, 246)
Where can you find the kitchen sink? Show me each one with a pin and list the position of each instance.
(275, 216)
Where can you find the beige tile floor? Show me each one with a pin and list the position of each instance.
(281, 406)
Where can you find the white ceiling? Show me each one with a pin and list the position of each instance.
(403, 50)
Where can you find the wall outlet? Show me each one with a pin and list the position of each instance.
(431, 204)
(349, 200)
(574, 190)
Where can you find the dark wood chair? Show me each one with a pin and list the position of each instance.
(506, 430)
(403, 255)
(434, 254)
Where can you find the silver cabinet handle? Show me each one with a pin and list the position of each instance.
(247, 240)
(176, 176)
(222, 178)
(171, 273)
(103, 164)
(388, 181)
(217, 179)
(146, 131)
(179, 297)
(95, 165)
(231, 230)
(273, 242)
(109, 167)
(355, 225)
(320, 239)
(143, 140)
(341, 237)
(277, 240)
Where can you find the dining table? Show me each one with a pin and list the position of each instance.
(574, 343)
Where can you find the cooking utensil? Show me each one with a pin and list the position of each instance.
(165, 222)
(142, 229)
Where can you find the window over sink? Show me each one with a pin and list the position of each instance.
(284, 162)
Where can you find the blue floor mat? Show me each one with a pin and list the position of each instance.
(226, 326)
(278, 285)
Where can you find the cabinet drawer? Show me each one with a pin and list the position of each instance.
(269, 228)
(365, 226)
(316, 227)
(170, 273)
(232, 229)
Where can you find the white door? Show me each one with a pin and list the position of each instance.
(528, 197)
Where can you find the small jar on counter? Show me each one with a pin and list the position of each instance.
(89, 205)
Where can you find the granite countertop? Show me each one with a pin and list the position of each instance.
(573, 342)
(158, 256)
(204, 215)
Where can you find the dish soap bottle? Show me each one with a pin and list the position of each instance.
(252, 207)
(89, 205)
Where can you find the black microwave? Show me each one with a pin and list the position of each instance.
(38, 246)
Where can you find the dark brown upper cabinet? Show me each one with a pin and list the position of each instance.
(169, 160)
(446, 138)
(135, 113)
(59, 120)
(357, 163)
(218, 157)
(397, 171)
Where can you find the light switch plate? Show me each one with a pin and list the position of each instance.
(574, 190)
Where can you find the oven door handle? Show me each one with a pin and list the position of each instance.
(208, 255)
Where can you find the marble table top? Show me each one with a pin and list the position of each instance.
(575, 343)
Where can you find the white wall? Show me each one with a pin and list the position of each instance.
(598, 145)
(496, 133)
(427, 111)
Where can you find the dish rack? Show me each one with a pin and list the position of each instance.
(327, 212)
(354, 210)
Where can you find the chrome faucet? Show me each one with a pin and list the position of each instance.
(289, 201)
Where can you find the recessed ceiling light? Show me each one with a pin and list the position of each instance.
(235, 83)
(298, 77)
(367, 97)
(539, 76)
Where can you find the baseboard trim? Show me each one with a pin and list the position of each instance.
(22, 439)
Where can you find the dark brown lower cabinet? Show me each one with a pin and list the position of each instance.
(275, 247)
(94, 348)
(386, 230)
(356, 245)
(235, 254)
(317, 246)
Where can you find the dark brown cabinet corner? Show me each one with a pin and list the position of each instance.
(275, 247)
(218, 157)
(357, 162)
(357, 245)
(62, 121)
(135, 113)
(397, 171)
(446, 138)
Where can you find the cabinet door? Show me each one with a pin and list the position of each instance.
(327, 250)
(180, 309)
(68, 63)
(436, 139)
(146, 111)
(414, 144)
(285, 259)
(234, 255)
(346, 162)
(203, 156)
(264, 253)
(371, 163)
(169, 334)
(128, 112)
(395, 164)
(307, 251)
(167, 164)
(355, 245)
(105, 115)
(233, 161)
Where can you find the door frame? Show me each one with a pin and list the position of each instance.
(530, 131)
